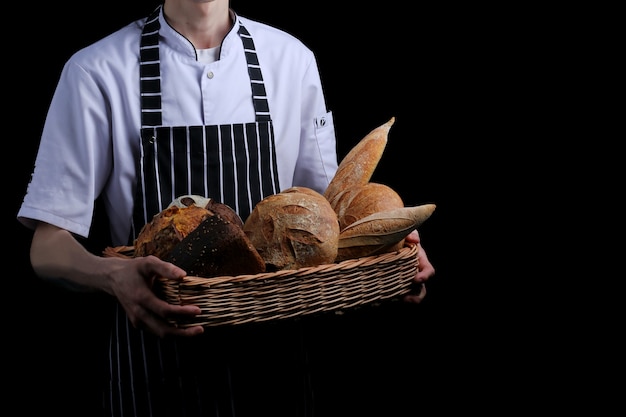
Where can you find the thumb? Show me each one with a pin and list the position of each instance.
(156, 266)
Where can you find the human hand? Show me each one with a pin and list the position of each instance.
(425, 270)
(132, 283)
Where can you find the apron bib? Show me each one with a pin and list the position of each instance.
(210, 375)
(233, 164)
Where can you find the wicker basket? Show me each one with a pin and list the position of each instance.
(290, 293)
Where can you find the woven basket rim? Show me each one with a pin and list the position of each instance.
(128, 252)
(291, 293)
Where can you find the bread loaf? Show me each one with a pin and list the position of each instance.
(225, 211)
(356, 203)
(217, 247)
(357, 167)
(202, 236)
(381, 232)
(167, 228)
(210, 204)
(372, 217)
(293, 229)
(189, 200)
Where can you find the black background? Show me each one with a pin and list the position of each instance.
(440, 72)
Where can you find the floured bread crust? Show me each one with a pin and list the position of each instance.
(167, 228)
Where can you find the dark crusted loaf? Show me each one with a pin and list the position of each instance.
(217, 247)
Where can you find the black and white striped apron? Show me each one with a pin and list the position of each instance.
(229, 370)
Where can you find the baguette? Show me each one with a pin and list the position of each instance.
(357, 167)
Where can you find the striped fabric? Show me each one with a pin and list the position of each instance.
(213, 375)
(241, 157)
(150, 72)
(234, 164)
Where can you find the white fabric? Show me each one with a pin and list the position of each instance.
(90, 139)
(206, 56)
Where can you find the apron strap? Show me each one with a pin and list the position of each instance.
(150, 74)
(259, 96)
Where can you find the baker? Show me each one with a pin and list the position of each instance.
(193, 99)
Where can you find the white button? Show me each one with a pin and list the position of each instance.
(209, 74)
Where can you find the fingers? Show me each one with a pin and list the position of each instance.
(152, 265)
(144, 308)
(164, 328)
(187, 331)
(416, 297)
(413, 237)
(425, 269)
(159, 317)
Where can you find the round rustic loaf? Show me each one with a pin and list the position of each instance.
(202, 236)
(225, 211)
(358, 202)
(167, 228)
(217, 247)
(293, 229)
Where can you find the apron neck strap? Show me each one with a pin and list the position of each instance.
(150, 73)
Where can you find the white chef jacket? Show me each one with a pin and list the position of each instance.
(91, 137)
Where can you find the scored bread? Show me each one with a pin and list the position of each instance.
(167, 228)
(357, 167)
(202, 236)
(355, 203)
(293, 229)
(381, 232)
(217, 247)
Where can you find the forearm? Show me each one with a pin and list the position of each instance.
(57, 256)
